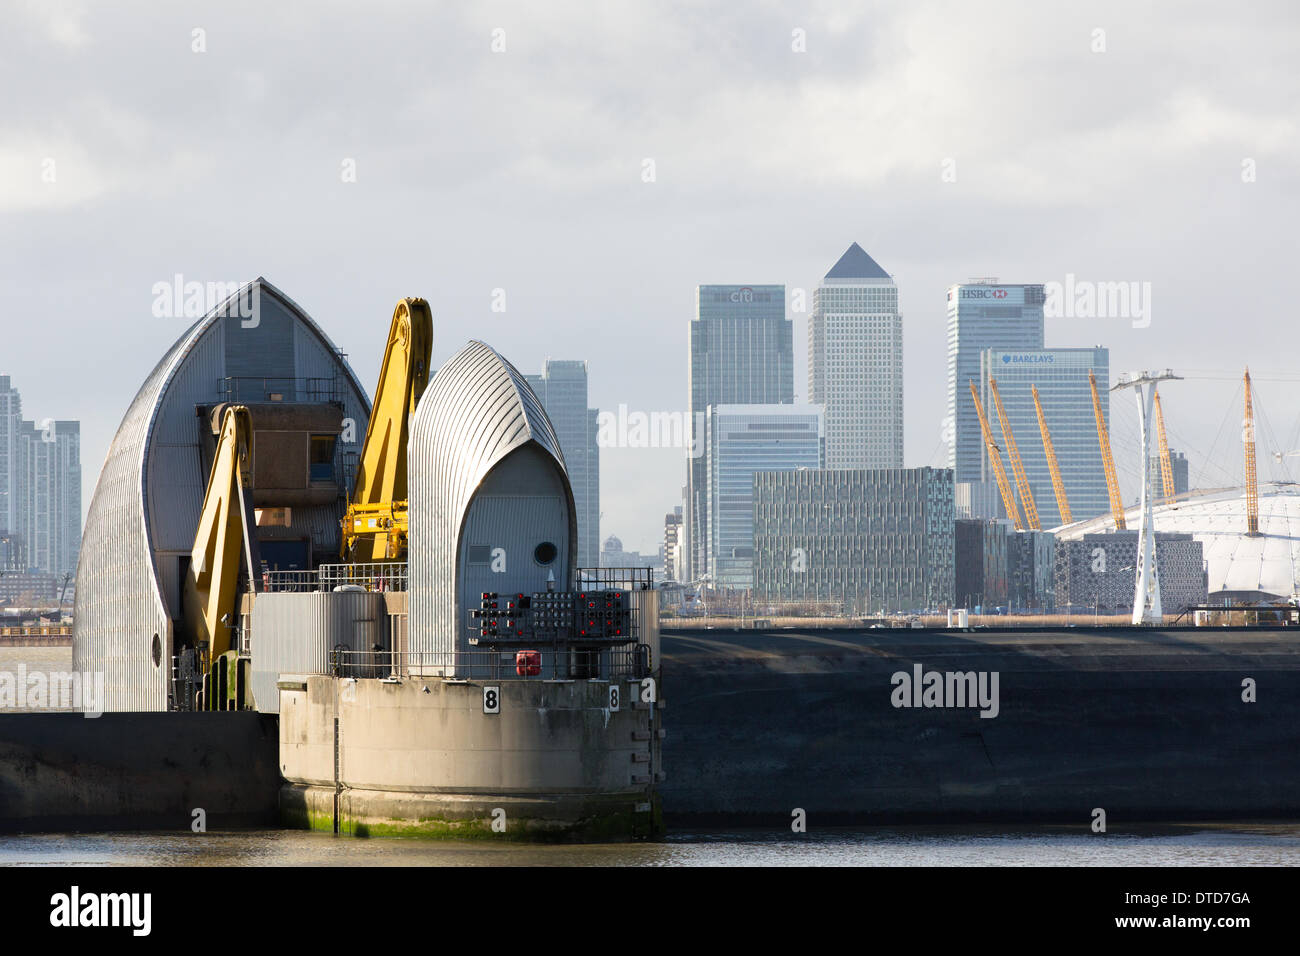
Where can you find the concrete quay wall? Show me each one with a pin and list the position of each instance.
(1147, 725)
(137, 771)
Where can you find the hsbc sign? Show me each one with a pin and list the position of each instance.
(983, 293)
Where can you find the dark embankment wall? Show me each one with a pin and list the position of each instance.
(137, 771)
(1148, 725)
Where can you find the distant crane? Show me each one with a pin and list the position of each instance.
(1107, 459)
(1166, 465)
(1252, 485)
(1058, 486)
(1017, 468)
(995, 459)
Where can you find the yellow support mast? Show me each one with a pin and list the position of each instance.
(1058, 486)
(1017, 467)
(1252, 486)
(1107, 459)
(1166, 465)
(995, 459)
(374, 528)
(225, 538)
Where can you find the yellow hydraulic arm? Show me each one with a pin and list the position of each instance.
(374, 528)
(995, 459)
(1017, 468)
(1107, 459)
(225, 535)
(1166, 465)
(1058, 486)
(1252, 488)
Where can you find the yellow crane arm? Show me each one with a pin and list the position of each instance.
(225, 535)
(1058, 486)
(1107, 459)
(1252, 487)
(1166, 465)
(374, 528)
(995, 459)
(1017, 467)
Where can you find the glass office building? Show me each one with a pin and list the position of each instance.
(983, 315)
(40, 489)
(562, 388)
(869, 539)
(741, 353)
(743, 440)
(855, 363)
(1061, 376)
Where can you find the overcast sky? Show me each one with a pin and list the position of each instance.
(949, 139)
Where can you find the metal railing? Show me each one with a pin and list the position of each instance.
(389, 576)
(613, 579)
(383, 576)
(546, 663)
(250, 388)
(290, 581)
(393, 576)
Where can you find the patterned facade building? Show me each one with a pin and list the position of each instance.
(871, 539)
(1097, 572)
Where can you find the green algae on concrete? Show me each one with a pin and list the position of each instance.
(601, 819)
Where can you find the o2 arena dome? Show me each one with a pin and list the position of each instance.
(1242, 568)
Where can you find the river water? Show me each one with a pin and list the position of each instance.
(1180, 845)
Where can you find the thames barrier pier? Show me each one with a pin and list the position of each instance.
(395, 584)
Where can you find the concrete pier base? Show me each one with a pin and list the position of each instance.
(428, 757)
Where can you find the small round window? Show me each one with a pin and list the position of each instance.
(545, 553)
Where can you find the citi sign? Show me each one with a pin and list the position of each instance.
(743, 295)
(983, 293)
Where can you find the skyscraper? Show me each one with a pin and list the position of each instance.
(1061, 376)
(51, 494)
(855, 363)
(11, 417)
(40, 489)
(742, 353)
(562, 388)
(742, 440)
(982, 314)
(1178, 462)
(672, 543)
